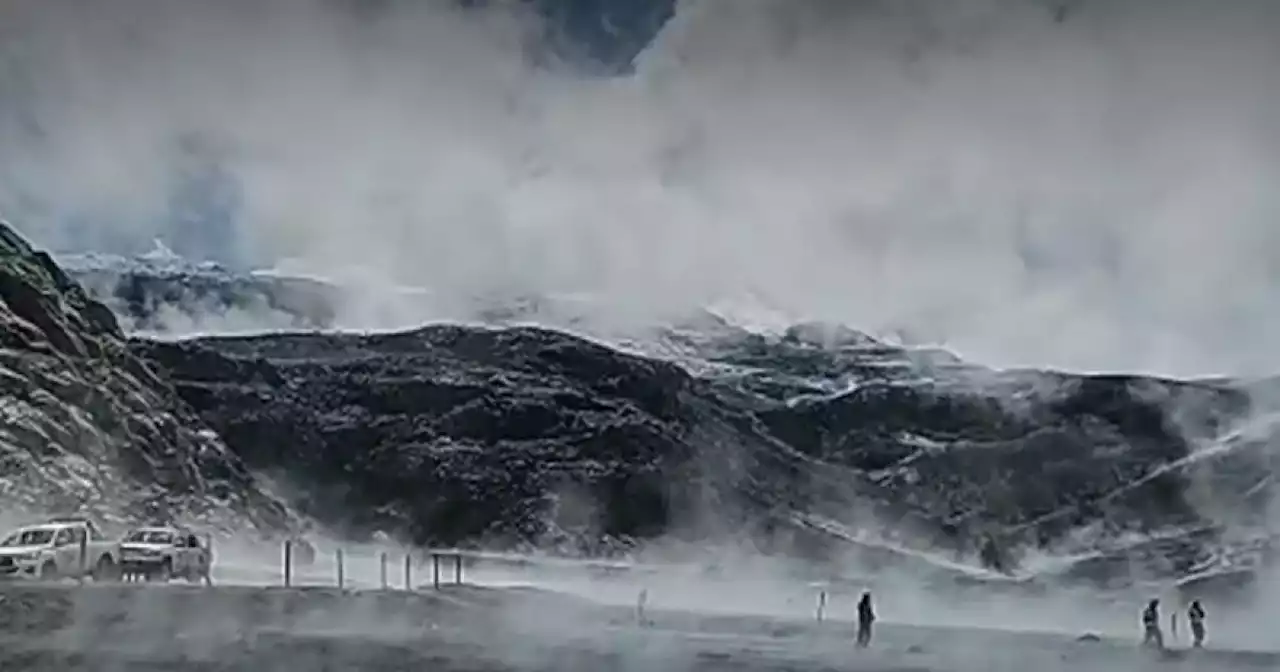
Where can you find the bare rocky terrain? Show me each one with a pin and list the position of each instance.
(87, 426)
(809, 443)
(814, 442)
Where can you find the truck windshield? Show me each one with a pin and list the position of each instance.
(149, 537)
(40, 537)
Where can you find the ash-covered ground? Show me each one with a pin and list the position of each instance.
(472, 628)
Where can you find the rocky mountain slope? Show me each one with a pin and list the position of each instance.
(458, 434)
(812, 441)
(87, 426)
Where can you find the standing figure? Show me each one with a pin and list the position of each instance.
(866, 616)
(204, 558)
(1151, 635)
(992, 557)
(1195, 615)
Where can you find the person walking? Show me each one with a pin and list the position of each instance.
(1151, 635)
(866, 616)
(1195, 616)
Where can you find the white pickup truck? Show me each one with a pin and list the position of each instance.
(59, 548)
(161, 553)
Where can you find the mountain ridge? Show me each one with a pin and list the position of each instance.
(817, 441)
(892, 420)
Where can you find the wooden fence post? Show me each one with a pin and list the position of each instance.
(435, 570)
(457, 568)
(207, 568)
(342, 579)
(408, 583)
(288, 563)
(84, 553)
(382, 560)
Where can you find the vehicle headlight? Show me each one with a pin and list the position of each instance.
(27, 557)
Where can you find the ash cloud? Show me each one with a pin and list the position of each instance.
(1091, 189)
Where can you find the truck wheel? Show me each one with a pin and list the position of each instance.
(163, 573)
(105, 569)
(48, 571)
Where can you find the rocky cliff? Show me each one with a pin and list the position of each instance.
(86, 426)
(812, 442)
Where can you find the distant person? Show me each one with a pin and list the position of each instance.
(866, 616)
(1195, 615)
(205, 570)
(1151, 635)
(992, 557)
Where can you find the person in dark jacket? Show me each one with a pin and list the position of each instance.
(1151, 635)
(1195, 616)
(866, 616)
(992, 557)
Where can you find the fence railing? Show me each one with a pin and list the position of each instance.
(438, 559)
(443, 560)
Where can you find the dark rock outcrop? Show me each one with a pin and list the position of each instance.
(87, 426)
(814, 436)
(801, 442)
(451, 434)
